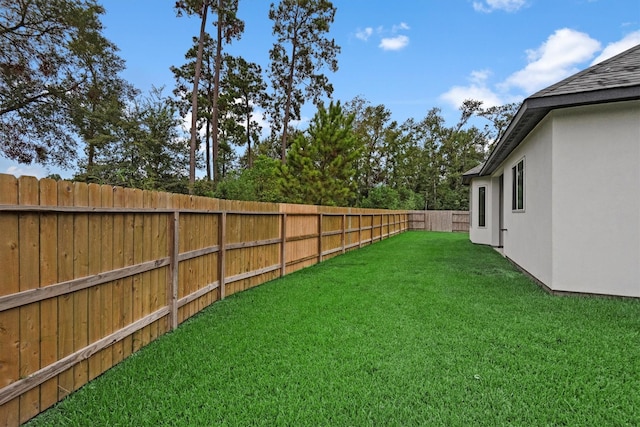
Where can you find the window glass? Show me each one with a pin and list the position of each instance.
(517, 200)
(482, 191)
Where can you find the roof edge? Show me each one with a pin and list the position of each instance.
(539, 107)
(471, 173)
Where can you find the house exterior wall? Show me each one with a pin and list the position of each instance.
(495, 210)
(527, 239)
(596, 199)
(477, 234)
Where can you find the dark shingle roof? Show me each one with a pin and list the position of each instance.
(613, 80)
(619, 71)
(471, 173)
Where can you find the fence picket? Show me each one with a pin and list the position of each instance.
(9, 283)
(118, 262)
(146, 287)
(138, 243)
(65, 272)
(48, 276)
(94, 294)
(80, 269)
(128, 257)
(106, 302)
(29, 243)
(163, 250)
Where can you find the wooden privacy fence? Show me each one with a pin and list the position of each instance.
(456, 221)
(90, 274)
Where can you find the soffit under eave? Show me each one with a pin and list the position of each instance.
(527, 118)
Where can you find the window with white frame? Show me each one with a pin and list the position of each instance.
(517, 200)
(482, 203)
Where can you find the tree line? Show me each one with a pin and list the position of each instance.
(64, 103)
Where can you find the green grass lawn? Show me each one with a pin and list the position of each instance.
(420, 329)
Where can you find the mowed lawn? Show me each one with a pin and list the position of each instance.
(420, 329)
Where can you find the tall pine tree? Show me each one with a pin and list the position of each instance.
(320, 167)
(300, 54)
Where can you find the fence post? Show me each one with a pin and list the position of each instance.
(360, 232)
(283, 246)
(172, 292)
(222, 235)
(344, 232)
(319, 238)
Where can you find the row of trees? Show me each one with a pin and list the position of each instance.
(356, 155)
(60, 89)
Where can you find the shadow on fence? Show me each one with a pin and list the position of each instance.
(90, 273)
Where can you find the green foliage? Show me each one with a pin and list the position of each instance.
(421, 161)
(413, 165)
(184, 76)
(99, 114)
(258, 183)
(244, 90)
(228, 27)
(403, 159)
(385, 197)
(148, 153)
(298, 57)
(382, 197)
(58, 80)
(60, 86)
(370, 126)
(320, 166)
(202, 74)
(410, 200)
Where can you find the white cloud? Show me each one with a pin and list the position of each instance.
(364, 34)
(480, 76)
(620, 46)
(394, 43)
(489, 6)
(564, 53)
(554, 60)
(477, 89)
(389, 38)
(401, 26)
(27, 170)
(458, 94)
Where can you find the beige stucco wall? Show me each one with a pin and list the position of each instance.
(596, 199)
(477, 234)
(580, 229)
(527, 240)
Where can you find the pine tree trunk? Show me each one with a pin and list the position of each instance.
(249, 156)
(216, 92)
(208, 149)
(194, 100)
(285, 125)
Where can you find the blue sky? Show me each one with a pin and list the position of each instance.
(410, 55)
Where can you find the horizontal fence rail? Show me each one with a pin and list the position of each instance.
(90, 274)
